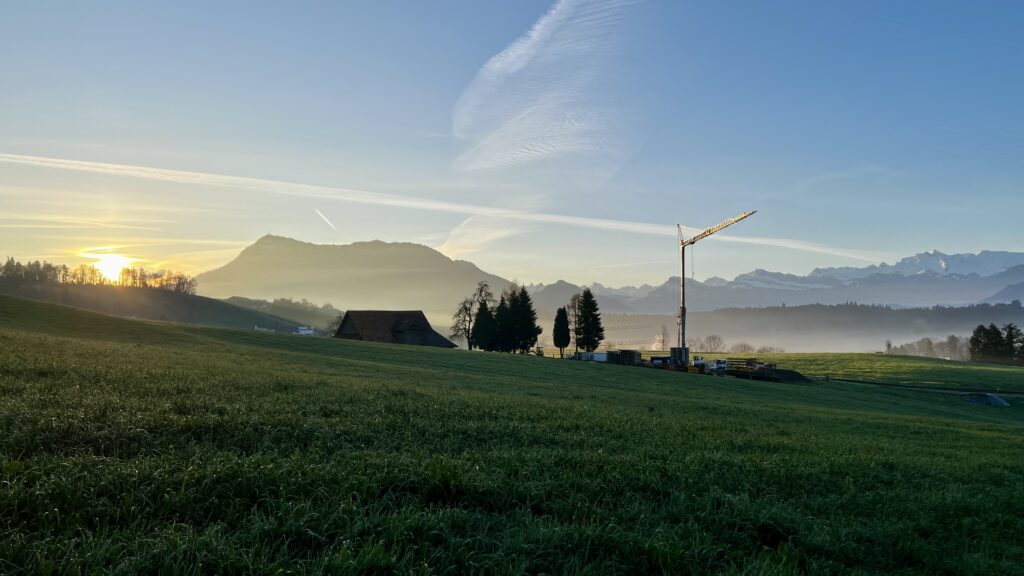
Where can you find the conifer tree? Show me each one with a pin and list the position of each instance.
(591, 329)
(1013, 340)
(525, 319)
(996, 345)
(977, 344)
(560, 332)
(484, 333)
(503, 327)
(514, 328)
(988, 344)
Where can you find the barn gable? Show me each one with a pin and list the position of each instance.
(390, 327)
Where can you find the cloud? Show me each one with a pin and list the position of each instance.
(802, 246)
(477, 233)
(546, 94)
(415, 203)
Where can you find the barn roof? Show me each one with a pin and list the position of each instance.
(391, 327)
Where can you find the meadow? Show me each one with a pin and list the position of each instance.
(912, 371)
(131, 447)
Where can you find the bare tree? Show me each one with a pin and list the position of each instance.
(573, 311)
(714, 343)
(335, 324)
(462, 322)
(483, 294)
(956, 349)
(695, 344)
(741, 348)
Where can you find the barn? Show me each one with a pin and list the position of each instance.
(390, 327)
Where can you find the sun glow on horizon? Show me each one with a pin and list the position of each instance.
(109, 264)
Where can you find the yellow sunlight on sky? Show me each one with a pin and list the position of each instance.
(110, 265)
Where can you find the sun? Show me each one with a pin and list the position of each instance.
(110, 265)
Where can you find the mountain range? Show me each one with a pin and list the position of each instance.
(984, 263)
(405, 275)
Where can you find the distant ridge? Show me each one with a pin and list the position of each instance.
(361, 275)
(1009, 294)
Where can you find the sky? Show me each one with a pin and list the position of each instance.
(541, 140)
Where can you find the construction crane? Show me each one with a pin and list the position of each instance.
(683, 355)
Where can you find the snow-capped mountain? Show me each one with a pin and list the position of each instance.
(984, 263)
(625, 292)
(776, 280)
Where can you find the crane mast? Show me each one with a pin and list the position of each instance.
(682, 356)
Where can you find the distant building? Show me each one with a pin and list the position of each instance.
(306, 331)
(390, 327)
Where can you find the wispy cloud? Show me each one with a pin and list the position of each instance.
(477, 233)
(415, 203)
(196, 261)
(816, 181)
(542, 96)
(59, 221)
(324, 218)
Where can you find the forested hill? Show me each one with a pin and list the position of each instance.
(813, 327)
(857, 317)
(301, 311)
(148, 304)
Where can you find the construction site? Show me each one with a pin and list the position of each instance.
(679, 357)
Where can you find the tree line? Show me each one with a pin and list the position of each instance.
(578, 323)
(16, 273)
(952, 348)
(713, 344)
(509, 323)
(988, 343)
(998, 346)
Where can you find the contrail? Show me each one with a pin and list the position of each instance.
(321, 215)
(411, 202)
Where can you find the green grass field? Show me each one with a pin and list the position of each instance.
(903, 370)
(131, 447)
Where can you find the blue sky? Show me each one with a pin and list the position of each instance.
(541, 140)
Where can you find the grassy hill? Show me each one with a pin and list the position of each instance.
(139, 447)
(150, 304)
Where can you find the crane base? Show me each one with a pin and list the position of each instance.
(680, 356)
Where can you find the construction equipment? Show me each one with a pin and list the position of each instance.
(681, 355)
(751, 368)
